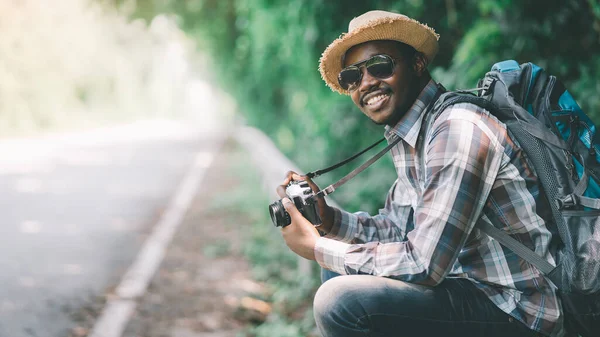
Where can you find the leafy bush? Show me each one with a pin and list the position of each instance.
(266, 53)
(290, 290)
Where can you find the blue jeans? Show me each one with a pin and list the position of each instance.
(365, 305)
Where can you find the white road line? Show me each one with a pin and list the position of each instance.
(114, 318)
(118, 311)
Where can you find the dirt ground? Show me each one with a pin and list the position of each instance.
(203, 279)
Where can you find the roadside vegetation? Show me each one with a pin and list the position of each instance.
(266, 55)
(289, 292)
(80, 63)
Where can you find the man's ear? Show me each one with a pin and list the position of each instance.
(419, 64)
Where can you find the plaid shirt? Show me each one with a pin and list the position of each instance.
(453, 172)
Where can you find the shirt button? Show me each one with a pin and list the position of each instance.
(510, 319)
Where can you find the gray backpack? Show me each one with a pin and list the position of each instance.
(562, 144)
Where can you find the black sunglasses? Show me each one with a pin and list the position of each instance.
(379, 66)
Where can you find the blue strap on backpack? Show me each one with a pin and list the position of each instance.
(562, 144)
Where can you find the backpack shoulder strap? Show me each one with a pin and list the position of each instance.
(451, 98)
(518, 248)
(456, 97)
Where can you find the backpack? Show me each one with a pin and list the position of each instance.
(562, 145)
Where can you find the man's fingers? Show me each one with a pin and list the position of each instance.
(291, 175)
(281, 191)
(290, 207)
(286, 181)
(288, 177)
(313, 186)
(288, 204)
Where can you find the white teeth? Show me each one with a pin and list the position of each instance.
(375, 99)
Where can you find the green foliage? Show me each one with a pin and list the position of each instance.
(218, 249)
(271, 260)
(280, 326)
(266, 53)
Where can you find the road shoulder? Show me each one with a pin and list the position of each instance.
(197, 289)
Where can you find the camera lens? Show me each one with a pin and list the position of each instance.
(279, 216)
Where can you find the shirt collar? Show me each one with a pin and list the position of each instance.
(410, 124)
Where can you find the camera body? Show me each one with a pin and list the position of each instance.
(300, 193)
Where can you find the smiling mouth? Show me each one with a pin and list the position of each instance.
(377, 102)
(376, 99)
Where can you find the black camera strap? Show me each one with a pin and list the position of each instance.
(317, 173)
(331, 188)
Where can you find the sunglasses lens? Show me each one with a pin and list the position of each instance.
(380, 66)
(349, 77)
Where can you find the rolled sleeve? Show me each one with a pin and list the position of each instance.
(330, 254)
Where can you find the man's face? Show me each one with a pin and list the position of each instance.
(386, 100)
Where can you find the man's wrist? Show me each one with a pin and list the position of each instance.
(329, 220)
(330, 254)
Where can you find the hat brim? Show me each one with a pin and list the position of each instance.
(402, 29)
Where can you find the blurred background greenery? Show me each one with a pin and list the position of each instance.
(265, 53)
(77, 64)
(72, 64)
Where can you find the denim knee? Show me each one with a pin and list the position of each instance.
(337, 305)
(326, 298)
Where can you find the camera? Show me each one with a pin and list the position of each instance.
(300, 193)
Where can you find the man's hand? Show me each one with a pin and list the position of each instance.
(300, 235)
(325, 211)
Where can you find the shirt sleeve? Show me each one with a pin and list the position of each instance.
(360, 227)
(462, 157)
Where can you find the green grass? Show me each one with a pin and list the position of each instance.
(272, 263)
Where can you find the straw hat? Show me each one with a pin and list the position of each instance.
(376, 25)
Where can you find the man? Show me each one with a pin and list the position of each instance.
(421, 267)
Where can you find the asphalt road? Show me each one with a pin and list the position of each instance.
(75, 209)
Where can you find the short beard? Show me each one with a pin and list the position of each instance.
(415, 91)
